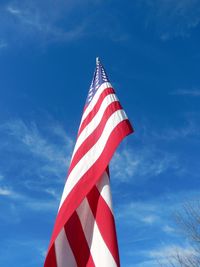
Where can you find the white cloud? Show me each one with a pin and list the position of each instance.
(129, 165)
(185, 92)
(63, 21)
(8, 192)
(39, 145)
(147, 263)
(150, 219)
(5, 191)
(44, 154)
(139, 213)
(3, 44)
(42, 20)
(172, 18)
(170, 251)
(60, 132)
(168, 229)
(8, 211)
(187, 127)
(190, 129)
(32, 139)
(31, 203)
(18, 244)
(13, 10)
(158, 211)
(44, 205)
(52, 192)
(164, 255)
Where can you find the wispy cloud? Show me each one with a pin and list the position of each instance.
(3, 44)
(168, 229)
(168, 253)
(34, 248)
(158, 211)
(52, 192)
(10, 193)
(154, 221)
(42, 20)
(38, 158)
(47, 22)
(13, 10)
(129, 165)
(5, 191)
(1, 177)
(44, 153)
(186, 128)
(29, 202)
(23, 200)
(139, 212)
(30, 137)
(185, 92)
(173, 18)
(189, 129)
(150, 219)
(41, 206)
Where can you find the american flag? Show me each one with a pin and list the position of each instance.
(84, 232)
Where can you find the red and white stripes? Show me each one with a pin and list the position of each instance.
(84, 232)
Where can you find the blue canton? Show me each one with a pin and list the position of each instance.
(99, 78)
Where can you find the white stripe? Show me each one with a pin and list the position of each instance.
(94, 122)
(100, 253)
(64, 254)
(95, 99)
(93, 154)
(103, 187)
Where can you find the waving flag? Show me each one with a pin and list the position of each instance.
(84, 232)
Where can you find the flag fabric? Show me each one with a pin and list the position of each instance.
(84, 232)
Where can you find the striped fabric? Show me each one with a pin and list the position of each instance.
(84, 231)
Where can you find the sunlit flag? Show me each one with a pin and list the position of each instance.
(84, 232)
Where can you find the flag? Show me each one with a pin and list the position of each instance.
(84, 232)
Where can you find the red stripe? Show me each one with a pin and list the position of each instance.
(91, 140)
(90, 178)
(78, 242)
(95, 109)
(51, 258)
(105, 221)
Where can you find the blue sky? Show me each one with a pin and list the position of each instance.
(151, 52)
